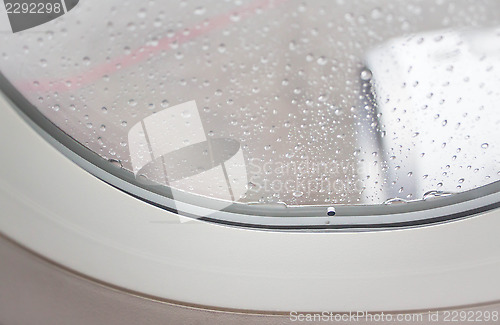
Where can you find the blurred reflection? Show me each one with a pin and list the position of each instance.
(434, 112)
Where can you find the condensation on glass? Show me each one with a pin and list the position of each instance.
(294, 102)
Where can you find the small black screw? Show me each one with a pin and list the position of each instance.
(330, 211)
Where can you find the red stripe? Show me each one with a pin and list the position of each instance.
(144, 52)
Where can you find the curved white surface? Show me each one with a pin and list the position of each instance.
(57, 209)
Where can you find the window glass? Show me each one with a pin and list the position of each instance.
(290, 102)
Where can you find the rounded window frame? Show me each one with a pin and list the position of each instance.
(263, 216)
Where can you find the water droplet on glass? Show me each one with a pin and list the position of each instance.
(221, 48)
(141, 13)
(322, 60)
(376, 13)
(116, 162)
(199, 11)
(366, 75)
(235, 17)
